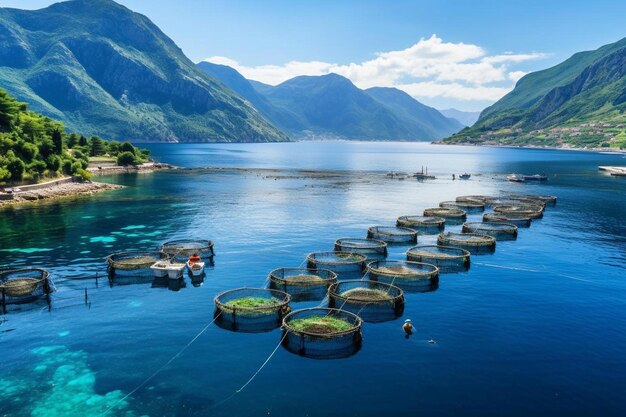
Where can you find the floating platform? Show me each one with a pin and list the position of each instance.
(615, 171)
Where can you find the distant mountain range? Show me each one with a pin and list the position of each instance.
(577, 103)
(101, 68)
(466, 118)
(330, 106)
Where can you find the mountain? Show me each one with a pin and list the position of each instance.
(577, 103)
(466, 118)
(101, 68)
(330, 106)
(429, 122)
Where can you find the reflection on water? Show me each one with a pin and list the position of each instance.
(537, 318)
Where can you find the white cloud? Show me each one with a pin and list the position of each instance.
(516, 75)
(432, 89)
(430, 68)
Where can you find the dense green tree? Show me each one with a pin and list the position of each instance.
(127, 147)
(72, 140)
(82, 141)
(37, 166)
(16, 167)
(126, 158)
(53, 163)
(57, 140)
(97, 146)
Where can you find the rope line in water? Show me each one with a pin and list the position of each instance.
(254, 375)
(534, 270)
(158, 371)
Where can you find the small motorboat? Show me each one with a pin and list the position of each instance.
(165, 268)
(536, 177)
(465, 176)
(516, 178)
(195, 265)
(195, 269)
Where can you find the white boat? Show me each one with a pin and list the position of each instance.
(196, 268)
(516, 178)
(159, 269)
(171, 270)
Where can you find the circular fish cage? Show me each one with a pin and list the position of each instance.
(409, 276)
(251, 310)
(423, 224)
(371, 300)
(474, 243)
(515, 201)
(518, 221)
(393, 235)
(371, 248)
(345, 264)
(322, 333)
(534, 212)
(452, 215)
(302, 284)
(133, 263)
(546, 199)
(447, 259)
(181, 250)
(467, 205)
(472, 198)
(23, 285)
(500, 231)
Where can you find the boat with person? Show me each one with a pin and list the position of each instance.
(195, 265)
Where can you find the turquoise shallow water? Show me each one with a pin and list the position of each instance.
(534, 329)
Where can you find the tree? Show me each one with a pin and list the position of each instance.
(53, 163)
(72, 140)
(97, 146)
(37, 166)
(16, 167)
(66, 166)
(46, 148)
(126, 158)
(57, 140)
(127, 147)
(82, 141)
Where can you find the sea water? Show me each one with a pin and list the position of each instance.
(535, 329)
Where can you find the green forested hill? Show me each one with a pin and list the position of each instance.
(99, 67)
(578, 103)
(34, 147)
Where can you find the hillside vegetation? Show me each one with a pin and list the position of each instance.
(34, 147)
(578, 103)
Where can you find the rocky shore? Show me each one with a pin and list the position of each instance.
(104, 169)
(69, 189)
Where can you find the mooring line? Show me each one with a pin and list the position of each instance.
(254, 375)
(536, 271)
(158, 371)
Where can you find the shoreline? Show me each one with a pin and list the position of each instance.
(116, 169)
(64, 188)
(552, 148)
(58, 192)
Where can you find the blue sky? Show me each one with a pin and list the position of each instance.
(462, 54)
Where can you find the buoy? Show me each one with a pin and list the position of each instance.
(408, 327)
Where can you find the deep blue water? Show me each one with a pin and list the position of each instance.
(538, 328)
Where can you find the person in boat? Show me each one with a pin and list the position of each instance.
(408, 327)
(193, 259)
